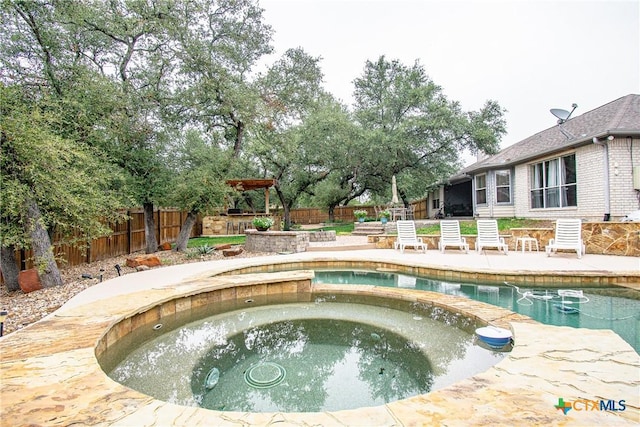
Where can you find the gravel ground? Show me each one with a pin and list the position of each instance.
(25, 309)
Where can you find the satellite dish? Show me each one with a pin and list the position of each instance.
(563, 115)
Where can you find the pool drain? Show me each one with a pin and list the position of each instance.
(264, 375)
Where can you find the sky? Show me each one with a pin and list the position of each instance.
(529, 56)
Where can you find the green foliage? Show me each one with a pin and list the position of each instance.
(283, 144)
(74, 188)
(205, 249)
(162, 104)
(384, 214)
(360, 213)
(262, 222)
(213, 241)
(413, 131)
(199, 183)
(199, 251)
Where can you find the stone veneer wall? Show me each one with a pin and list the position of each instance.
(322, 236)
(605, 238)
(276, 241)
(217, 225)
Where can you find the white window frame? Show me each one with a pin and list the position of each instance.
(507, 186)
(481, 189)
(548, 179)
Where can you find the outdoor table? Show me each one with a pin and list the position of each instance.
(398, 213)
(526, 239)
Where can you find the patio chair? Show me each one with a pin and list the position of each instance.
(568, 236)
(450, 236)
(488, 236)
(411, 212)
(407, 237)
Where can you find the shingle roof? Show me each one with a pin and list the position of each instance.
(618, 118)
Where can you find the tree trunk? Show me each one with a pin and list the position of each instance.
(237, 146)
(150, 229)
(332, 213)
(185, 231)
(286, 218)
(42, 249)
(9, 268)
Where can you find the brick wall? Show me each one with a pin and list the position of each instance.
(624, 199)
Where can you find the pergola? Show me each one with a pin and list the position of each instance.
(253, 184)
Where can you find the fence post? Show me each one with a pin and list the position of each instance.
(129, 232)
(159, 226)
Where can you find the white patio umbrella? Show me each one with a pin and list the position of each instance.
(394, 191)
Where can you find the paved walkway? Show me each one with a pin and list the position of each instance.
(358, 248)
(490, 259)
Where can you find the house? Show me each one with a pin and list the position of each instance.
(585, 167)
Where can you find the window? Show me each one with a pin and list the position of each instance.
(435, 204)
(503, 186)
(553, 183)
(481, 189)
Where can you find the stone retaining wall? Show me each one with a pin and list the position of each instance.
(322, 236)
(276, 241)
(604, 238)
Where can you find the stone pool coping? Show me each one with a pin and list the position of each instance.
(50, 374)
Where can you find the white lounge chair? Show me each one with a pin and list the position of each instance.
(450, 236)
(488, 236)
(568, 236)
(407, 237)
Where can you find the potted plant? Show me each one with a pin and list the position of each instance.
(384, 215)
(262, 223)
(361, 214)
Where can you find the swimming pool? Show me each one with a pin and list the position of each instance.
(598, 308)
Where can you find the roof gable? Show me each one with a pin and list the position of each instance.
(619, 118)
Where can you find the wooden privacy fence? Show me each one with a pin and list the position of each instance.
(127, 237)
(345, 213)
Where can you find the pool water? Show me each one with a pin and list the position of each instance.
(333, 353)
(598, 308)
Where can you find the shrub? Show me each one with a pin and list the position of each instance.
(385, 214)
(360, 213)
(262, 222)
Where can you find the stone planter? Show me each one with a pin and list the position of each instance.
(276, 241)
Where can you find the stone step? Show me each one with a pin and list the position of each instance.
(367, 232)
(366, 228)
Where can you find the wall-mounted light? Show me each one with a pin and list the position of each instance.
(3, 316)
